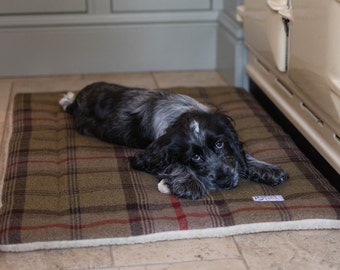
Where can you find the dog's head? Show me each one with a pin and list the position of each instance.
(214, 152)
(199, 152)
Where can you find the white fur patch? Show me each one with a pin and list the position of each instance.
(163, 188)
(66, 100)
(195, 126)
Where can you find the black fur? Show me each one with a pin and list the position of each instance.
(191, 147)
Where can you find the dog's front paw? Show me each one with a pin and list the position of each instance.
(189, 189)
(163, 187)
(268, 174)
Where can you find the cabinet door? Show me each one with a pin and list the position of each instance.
(265, 30)
(159, 5)
(41, 6)
(314, 62)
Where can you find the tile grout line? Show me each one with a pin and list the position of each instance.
(154, 79)
(177, 262)
(240, 252)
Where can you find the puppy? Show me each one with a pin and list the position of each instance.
(190, 147)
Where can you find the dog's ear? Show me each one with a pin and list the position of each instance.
(235, 145)
(158, 155)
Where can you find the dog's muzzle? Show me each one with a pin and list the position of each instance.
(225, 177)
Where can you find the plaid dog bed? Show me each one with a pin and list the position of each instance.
(63, 189)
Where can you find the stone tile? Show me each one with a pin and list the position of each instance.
(143, 267)
(98, 257)
(138, 267)
(5, 86)
(40, 78)
(291, 250)
(202, 265)
(175, 251)
(142, 80)
(5, 90)
(188, 78)
(3, 133)
(74, 83)
(50, 85)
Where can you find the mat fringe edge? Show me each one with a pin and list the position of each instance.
(307, 224)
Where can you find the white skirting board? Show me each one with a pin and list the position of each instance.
(231, 52)
(65, 44)
(92, 43)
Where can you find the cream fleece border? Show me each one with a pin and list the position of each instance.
(307, 224)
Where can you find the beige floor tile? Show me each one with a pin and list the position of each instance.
(5, 90)
(74, 83)
(188, 78)
(1, 130)
(291, 250)
(143, 267)
(175, 251)
(5, 86)
(2, 157)
(82, 258)
(49, 85)
(41, 78)
(233, 264)
(142, 80)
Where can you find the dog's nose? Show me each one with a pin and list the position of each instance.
(225, 178)
(218, 175)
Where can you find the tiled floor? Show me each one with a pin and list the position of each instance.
(279, 250)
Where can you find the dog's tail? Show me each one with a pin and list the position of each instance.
(66, 102)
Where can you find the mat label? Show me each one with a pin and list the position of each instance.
(270, 198)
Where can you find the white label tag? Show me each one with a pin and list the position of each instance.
(271, 198)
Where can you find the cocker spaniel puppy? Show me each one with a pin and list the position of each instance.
(190, 147)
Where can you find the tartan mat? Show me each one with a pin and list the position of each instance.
(62, 189)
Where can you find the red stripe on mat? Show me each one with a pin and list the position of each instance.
(66, 160)
(40, 119)
(180, 216)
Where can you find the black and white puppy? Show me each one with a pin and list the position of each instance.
(190, 147)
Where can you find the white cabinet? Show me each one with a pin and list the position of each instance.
(314, 57)
(294, 57)
(266, 29)
(10, 7)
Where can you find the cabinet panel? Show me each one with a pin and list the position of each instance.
(314, 63)
(266, 30)
(41, 6)
(159, 5)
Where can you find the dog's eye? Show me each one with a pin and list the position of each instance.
(219, 144)
(196, 157)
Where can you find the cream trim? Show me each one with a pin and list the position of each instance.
(307, 224)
